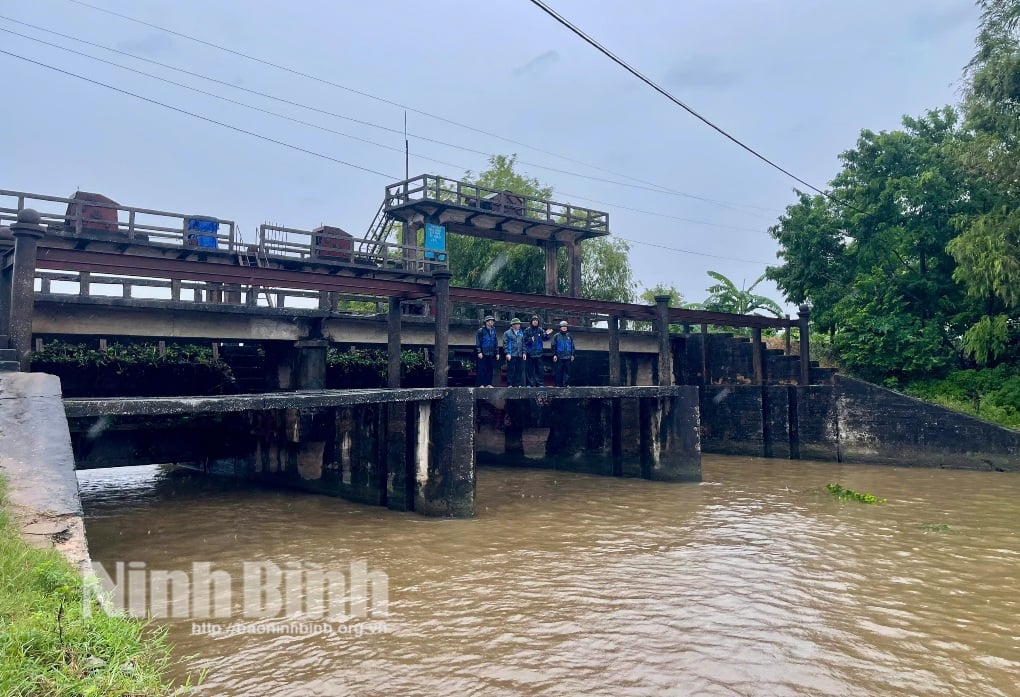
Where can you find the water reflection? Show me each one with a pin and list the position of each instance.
(756, 582)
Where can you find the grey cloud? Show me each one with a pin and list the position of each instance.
(537, 65)
(701, 71)
(151, 44)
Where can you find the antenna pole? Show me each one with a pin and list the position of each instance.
(407, 151)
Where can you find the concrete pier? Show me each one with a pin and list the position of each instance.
(406, 449)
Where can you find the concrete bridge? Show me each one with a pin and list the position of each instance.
(184, 279)
(407, 449)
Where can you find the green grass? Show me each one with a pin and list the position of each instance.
(992, 394)
(48, 647)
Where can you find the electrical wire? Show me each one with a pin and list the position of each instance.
(650, 186)
(300, 149)
(199, 116)
(661, 90)
(348, 135)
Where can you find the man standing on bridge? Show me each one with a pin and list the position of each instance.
(534, 336)
(563, 355)
(513, 344)
(485, 350)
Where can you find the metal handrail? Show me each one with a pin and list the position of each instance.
(132, 229)
(430, 187)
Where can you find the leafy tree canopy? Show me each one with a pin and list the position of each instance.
(479, 263)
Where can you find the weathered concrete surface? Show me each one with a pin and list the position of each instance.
(445, 479)
(155, 406)
(850, 421)
(885, 427)
(147, 317)
(646, 431)
(37, 461)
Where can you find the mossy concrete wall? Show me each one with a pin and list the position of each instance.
(850, 421)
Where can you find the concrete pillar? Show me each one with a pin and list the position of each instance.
(410, 239)
(401, 428)
(756, 356)
(310, 364)
(574, 269)
(705, 377)
(27, 232)
(670, 438)
(441, 283)
(445, 456)
(803, 322)
(517, 412)
(614, 351)
(6, 279)
(393, 344)
(665, 346)
(552, 270)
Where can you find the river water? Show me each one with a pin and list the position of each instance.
(755, 582)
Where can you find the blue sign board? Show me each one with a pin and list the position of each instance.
(435, 242)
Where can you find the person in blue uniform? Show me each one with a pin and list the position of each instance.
(485, 352)
(513, 345)
(534, 348)
(563, 355)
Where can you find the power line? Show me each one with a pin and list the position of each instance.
(223, 98)
(353, 137)
(651, 186)
(300, 149)
(199, 116)
(655, 86)
(688, 251)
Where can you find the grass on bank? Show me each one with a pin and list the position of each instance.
(49, 648)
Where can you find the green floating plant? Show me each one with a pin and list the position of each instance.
(844, 494)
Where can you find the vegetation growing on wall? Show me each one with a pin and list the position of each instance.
(134, 369)
(367, 368)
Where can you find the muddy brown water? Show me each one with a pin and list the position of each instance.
(755, 582)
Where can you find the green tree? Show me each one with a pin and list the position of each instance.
(676, 298)
(480, 263)
(988, 250)
(874, 261)
(724, 296)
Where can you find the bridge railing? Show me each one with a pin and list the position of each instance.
(84, 217)
(332, 245)
(429, 187)
(89, 285)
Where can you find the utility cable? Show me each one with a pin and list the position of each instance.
(661, 90)
(298, 148)
(225, 99)
(199, 116)
(348, 135)
(652, 186)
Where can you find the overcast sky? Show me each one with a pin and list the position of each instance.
(795, 79)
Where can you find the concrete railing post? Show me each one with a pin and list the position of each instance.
(803, 322)
(665, 346)
(27, 232)
(441, 280)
